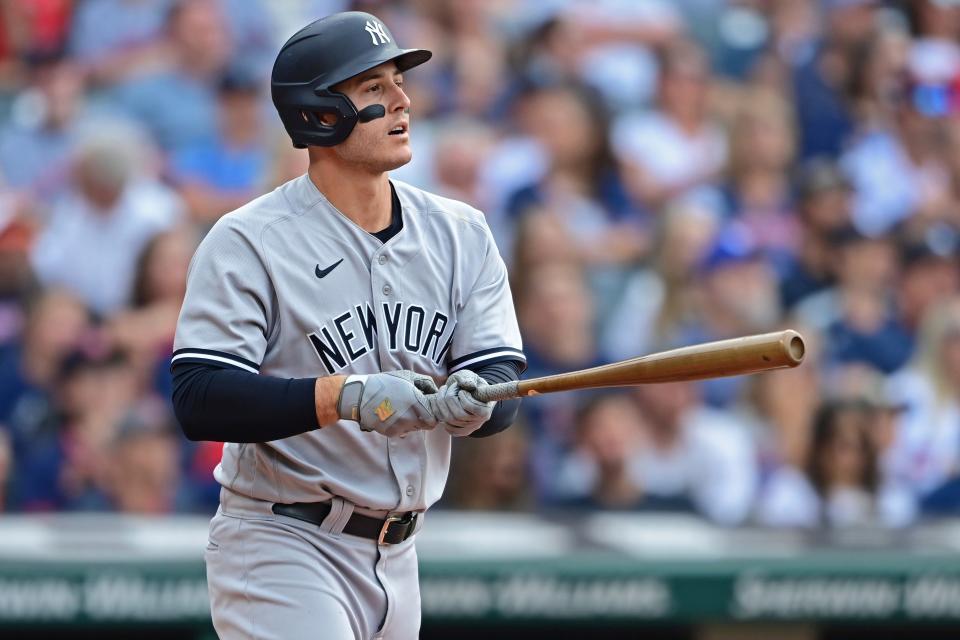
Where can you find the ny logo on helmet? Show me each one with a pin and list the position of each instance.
(375, 29)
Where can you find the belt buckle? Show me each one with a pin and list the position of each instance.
(385, 527)
(407, 518)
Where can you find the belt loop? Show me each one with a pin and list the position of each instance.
(336, 520)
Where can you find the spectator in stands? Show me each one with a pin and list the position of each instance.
(178, 102)
(878, 67)
(864, 384)
(841, 484)
(935, 27)
(777, 408)
(6, 467)
(462, 146)
(555, 312)
(605, 470)
(145, 329)
(857, 317)
(897, 165)
(821, 77)
(823, 204)
(929, 273)
(582, 187)
(550, 50)
(100, 226)
(114, 39)
(541, 241)
(219, 173)
(59, 465)
(675, 150)
(490, 474)
(474, 62)
(655, 301)
(795, 29)
(695, 453)
(949, 216)
(38, 137)
(253, 33)
(54, 326)
(141, 472)
(758, 189)
(736, 295)
(617, 42)
(926, 452)
(18, 229)
(27, 27)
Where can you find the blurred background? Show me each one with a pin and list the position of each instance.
(656, 173)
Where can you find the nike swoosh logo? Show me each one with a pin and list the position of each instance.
(322, 273)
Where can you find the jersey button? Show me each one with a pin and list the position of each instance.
(387, 289)
(409, 490)
(382, 260)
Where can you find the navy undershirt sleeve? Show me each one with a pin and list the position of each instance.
(228, 405)
(505, 411)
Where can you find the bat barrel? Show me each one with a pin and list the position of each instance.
(737, 356)
(734, 357)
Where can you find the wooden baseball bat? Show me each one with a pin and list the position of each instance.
(734, 357)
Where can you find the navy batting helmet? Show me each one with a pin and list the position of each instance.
(320, 55)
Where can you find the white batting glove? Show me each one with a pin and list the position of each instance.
(456, 409)
(391, 403)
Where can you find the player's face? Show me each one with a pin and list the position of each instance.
(382, 144)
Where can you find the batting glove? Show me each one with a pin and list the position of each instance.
(390, 403)
(455, 407)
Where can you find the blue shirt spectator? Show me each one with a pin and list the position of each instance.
(178, 103)
(887, 348)
(823, 119)
(43, 125)
(177, 108)
(113, 28)
(222, 171)
(220, 166)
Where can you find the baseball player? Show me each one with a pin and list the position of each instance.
(316, 321)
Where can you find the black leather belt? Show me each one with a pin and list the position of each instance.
(393, 530)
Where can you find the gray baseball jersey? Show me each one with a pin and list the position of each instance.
(288, 286)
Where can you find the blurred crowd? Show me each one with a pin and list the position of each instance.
(656, 174)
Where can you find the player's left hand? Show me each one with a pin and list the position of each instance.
(455, 407)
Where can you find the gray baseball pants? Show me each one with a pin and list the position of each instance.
(272, 577)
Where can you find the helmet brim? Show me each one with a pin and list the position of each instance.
(411, 58)
(406, 59)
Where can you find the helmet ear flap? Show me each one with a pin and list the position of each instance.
(324, 120)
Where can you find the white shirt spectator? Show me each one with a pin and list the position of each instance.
(621, 66)
(791, 501)
(512, 163)
(712, 463)
(888, 185)
(926, 451)
(94, 253)
(630, 328)
(671, 156)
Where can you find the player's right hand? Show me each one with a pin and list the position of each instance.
(390, 403)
